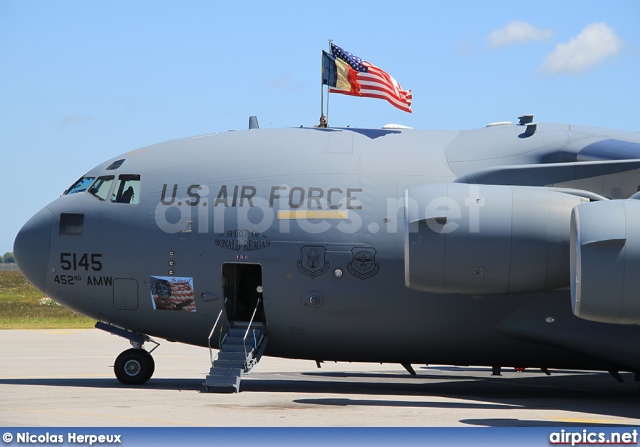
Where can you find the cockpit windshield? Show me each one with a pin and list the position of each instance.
(101, 187)
(80, 186)
(127, 189)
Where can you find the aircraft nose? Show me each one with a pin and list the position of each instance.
(31, 248)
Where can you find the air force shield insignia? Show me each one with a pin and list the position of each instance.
(363, 264)
(313, 262)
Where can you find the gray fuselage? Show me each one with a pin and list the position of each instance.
(321, 213)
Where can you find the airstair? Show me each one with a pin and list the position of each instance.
(241, 348)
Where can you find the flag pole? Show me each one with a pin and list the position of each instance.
(328, 87)
(322, 85)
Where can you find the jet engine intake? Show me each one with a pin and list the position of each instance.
(605, 261)
(487, 239)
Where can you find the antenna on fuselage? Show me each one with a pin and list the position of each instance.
(253, 122)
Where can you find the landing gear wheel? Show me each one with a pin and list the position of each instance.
(134, 366)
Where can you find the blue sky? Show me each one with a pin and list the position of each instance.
(83, 81)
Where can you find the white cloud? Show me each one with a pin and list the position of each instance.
(594, 43)
(518, 32)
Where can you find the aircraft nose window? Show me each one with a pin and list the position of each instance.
(101, 187)
(80, 186)
(71, 224)
(127, 189)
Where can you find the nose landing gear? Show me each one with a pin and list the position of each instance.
(134, 366)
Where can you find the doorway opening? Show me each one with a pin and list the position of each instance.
(242, 288)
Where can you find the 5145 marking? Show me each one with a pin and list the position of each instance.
(84, 261)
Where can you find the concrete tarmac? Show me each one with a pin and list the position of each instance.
(60, 378)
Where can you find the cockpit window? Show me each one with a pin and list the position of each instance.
(115, 165)
(101, 186)
(80, 186)
(127, 189)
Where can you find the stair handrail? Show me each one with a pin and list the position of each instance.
(214, 328)
(249, 327)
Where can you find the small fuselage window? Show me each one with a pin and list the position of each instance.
(80, 186)
(127, 189)
(101, 187)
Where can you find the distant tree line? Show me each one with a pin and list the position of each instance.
(8, 258)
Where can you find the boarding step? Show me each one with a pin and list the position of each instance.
(239, 352)
(239, 340)
(224, 378)
(236, 348)
(222, 384)
(237, 333)
(232, 356)
(225, 372)
(239, 364)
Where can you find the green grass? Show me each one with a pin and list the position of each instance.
(22, 306)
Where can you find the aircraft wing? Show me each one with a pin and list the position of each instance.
(609, 149)
(547, 174)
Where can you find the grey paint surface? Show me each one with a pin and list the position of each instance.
(234, 197)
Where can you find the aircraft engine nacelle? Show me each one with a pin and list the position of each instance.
(487, 239)
(605, 261)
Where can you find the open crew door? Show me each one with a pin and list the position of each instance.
(242, 288)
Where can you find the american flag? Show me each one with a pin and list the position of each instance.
(173, 294)
(360, 78)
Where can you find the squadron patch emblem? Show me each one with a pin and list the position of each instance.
(312, 263)
(363, 264)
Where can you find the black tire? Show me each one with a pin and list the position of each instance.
(134, 367)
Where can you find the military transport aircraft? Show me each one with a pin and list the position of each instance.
(513, 245)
